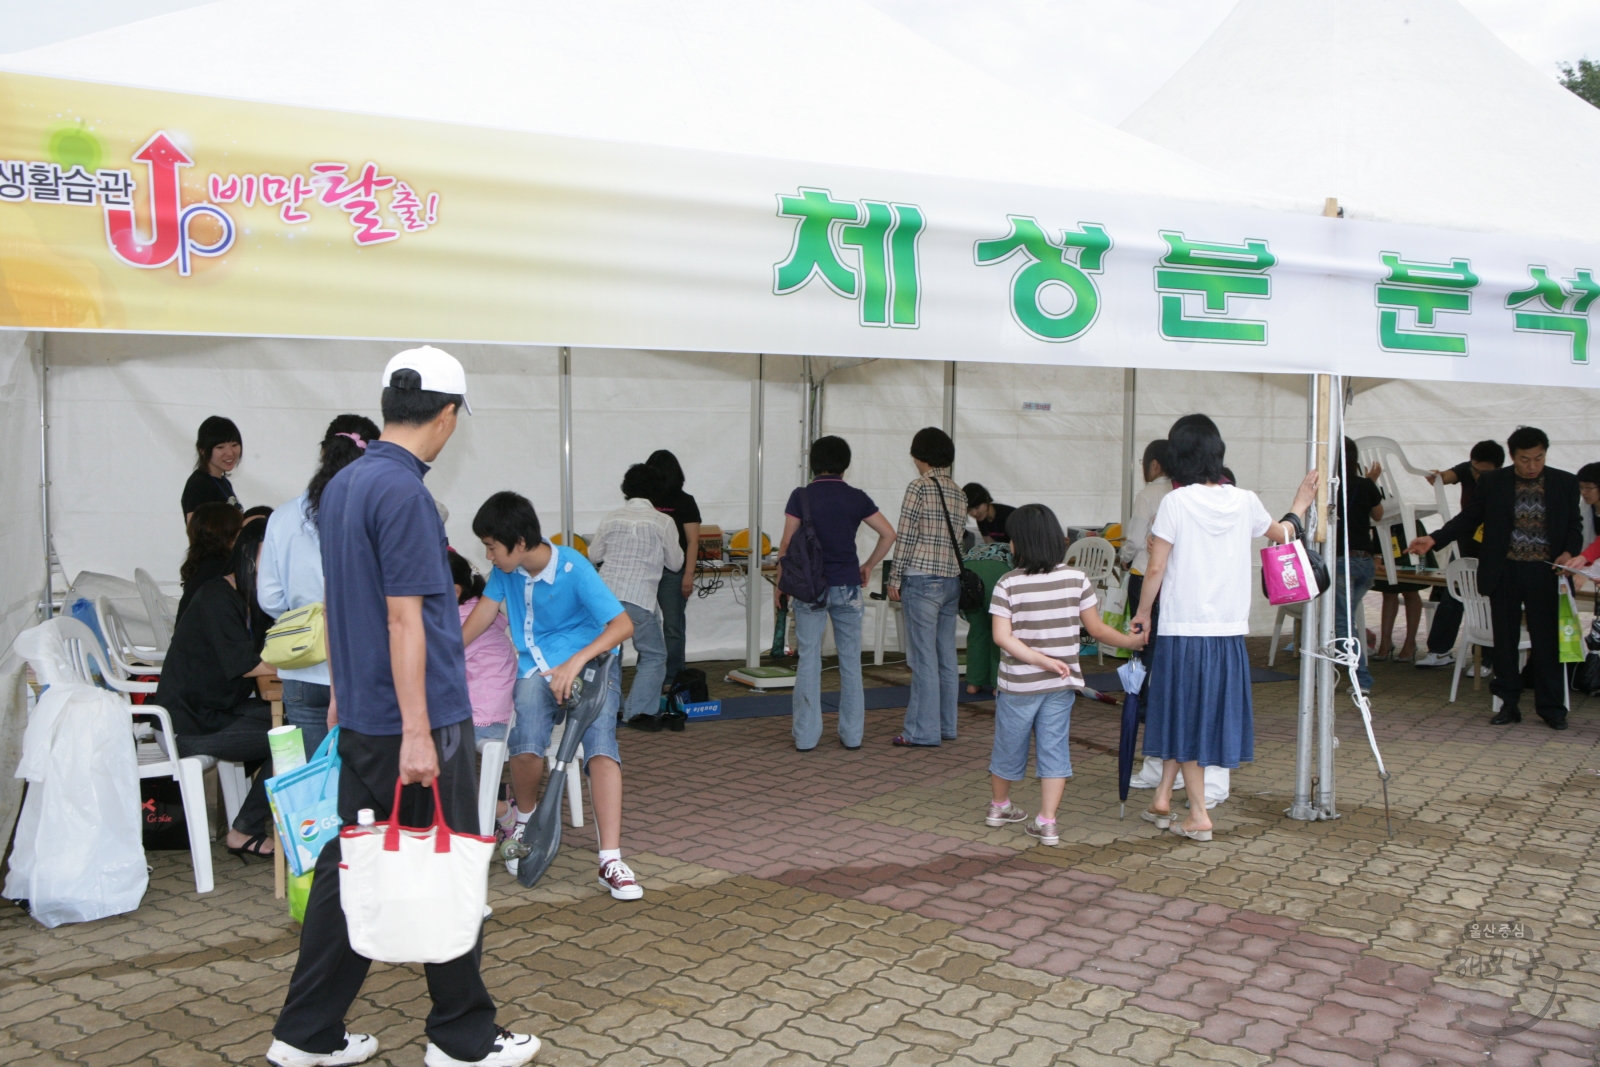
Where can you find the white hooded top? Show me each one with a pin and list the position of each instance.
(1206, 589)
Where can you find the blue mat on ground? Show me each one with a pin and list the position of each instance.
(881, 697)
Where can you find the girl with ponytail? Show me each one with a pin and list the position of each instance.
(290, 574)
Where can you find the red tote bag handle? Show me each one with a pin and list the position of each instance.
(391, 835)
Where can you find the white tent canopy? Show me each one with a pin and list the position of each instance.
(1407, 111)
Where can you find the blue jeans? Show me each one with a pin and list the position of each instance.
(1363, 571)
(537, 712)
(305, 704)
(674, 620)
(1043, 718)
(928, 611)
(843, 605)
(644, 697)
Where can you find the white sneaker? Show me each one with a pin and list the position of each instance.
(510, 1050)
(358, 1048)
(618, 877)
(1437, 659)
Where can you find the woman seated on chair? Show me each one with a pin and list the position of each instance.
(212, 529)
(208, 685)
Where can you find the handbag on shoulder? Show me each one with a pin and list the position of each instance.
(972, 594)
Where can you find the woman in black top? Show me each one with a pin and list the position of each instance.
(208, 685)
(991, 517)
(218, 449)
(676, 586)
(212, 530)
(1363, 506)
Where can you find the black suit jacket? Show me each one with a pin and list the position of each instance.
(1493, 507)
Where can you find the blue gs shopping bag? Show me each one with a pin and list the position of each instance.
(305, 806)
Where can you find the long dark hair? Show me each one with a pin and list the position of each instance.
(338, 452)
(1037, 541)
(462, 574)
(215, 430)
(212, 528)
(1195, 447)
(671, 471)
(243, 567)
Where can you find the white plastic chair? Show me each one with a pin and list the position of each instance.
(882, 607)
(1477, 623)
(491, 767)
(574, 776)
(156, 607)
(1094, 556)
(157, 747)
(127, 657)
(1398, 509)
(1297, 612)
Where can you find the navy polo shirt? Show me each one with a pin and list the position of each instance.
(381, 537)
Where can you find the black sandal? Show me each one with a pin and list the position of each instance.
(250, 848)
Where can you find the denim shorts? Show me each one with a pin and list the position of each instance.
(495, 731)
(1045, 719)
(536, 718)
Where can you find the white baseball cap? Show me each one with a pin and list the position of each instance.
(441, 372)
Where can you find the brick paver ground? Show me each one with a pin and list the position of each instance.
(851, 907)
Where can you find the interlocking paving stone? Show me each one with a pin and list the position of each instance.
(852, 908)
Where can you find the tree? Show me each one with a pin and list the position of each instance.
(1585, 80)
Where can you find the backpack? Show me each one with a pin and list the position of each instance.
(803, 574)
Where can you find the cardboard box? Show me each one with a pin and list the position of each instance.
(705, 709)
(711, 542)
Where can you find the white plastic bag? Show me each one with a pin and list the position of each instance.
(79, 852)
(413, 896)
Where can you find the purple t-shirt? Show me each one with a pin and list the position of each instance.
(837, 510)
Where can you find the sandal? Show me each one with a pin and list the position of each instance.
(252, 847)
(1162, 819)
(1193, 835)
(901, 741)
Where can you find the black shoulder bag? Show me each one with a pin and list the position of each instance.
(972, 595)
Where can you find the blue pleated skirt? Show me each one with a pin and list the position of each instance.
(1200, 705)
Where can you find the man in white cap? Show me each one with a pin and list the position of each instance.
(400, 699)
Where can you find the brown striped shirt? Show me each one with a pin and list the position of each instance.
(1044, 612)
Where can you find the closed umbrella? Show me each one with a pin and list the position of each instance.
(1132, 674)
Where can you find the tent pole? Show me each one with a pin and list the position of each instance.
(47, 602)
(1130, 406)
(950, 398)
(1333, 420)
(566, 445)
(753, 590)
(1309, 639)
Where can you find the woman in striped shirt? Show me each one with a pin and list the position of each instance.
(1038, 611)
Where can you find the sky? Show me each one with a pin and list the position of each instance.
(1102, 58)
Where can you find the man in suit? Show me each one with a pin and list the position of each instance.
(1529, 514)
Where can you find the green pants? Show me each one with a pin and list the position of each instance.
(983, 655)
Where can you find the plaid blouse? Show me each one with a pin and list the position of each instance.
(923, 537)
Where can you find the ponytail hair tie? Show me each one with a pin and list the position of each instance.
(356, 438)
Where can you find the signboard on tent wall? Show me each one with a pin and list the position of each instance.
(134, 210)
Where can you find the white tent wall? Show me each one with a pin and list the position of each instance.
(125, 408)
(21, 528)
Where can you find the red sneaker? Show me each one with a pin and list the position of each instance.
(617, 877)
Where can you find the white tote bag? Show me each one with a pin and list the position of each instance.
(413, 895)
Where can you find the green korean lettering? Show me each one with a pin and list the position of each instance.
(1425, 302)
(1544, 288)
(872, 238)
(1251, 255)
(1394, 339)
(813, 253)
(1587, 289)
(1050, 264)
(1456, 274)
(908, 223)
(1575, 325)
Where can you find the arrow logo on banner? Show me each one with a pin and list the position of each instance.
(163, 158)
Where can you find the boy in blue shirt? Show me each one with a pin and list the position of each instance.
(562, 616)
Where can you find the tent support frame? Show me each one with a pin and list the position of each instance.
(753, 590)
(948, 404)
(1310, 623)
(48, 597)
(1130, 415)
(565, 359)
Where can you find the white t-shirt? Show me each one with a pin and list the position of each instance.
(1206, 589)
